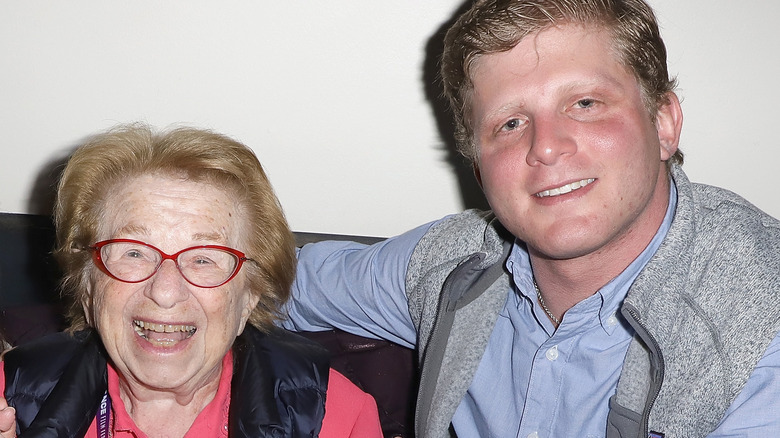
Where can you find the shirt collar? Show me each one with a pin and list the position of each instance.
(210, 422)
(613, 293)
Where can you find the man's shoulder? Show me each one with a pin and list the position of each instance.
(720, 243)
(729, 238)
(727, 216)
(465, 233)
(456, 237)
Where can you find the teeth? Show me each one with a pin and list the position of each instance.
(151, 332)
(565, 189)
(163, 328)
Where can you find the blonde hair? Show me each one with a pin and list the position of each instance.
(129, 151)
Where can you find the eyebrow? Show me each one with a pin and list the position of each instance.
(134, 229)
(599, 81)
(213, 236)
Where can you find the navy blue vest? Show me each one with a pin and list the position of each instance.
(278, 386)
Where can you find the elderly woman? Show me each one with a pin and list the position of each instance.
(170, 245)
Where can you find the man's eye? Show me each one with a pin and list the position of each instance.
(586, 103)
(511, 125)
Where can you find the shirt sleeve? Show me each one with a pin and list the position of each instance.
(357, 288)
(349, 412)
(755, 410)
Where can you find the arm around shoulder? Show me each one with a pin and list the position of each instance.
(356, 288)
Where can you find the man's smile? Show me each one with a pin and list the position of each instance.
(565, 188)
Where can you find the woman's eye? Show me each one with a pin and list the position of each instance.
(202, 261)
(134, 254)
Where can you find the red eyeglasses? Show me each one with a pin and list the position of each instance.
(133, 261)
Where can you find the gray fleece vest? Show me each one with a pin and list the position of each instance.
(705, 308)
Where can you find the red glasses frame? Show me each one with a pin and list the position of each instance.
(98, 259)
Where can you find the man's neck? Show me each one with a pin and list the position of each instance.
(565, 282)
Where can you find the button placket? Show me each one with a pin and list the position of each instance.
(552, 353)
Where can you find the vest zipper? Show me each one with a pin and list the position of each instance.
(437, 343)
(657, 367)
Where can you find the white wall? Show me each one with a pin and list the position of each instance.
(333, 96)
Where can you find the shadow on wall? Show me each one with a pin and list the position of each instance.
(30, 303)
(44, 191)
(470, 192)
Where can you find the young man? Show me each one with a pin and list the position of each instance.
(605, 294)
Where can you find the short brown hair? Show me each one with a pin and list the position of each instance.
(133, 150)
(493, 26)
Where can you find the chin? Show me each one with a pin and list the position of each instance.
(566, 245)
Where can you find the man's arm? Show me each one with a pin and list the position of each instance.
(754, 412)
(357, 288)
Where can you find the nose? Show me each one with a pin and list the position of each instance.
(550, 141)
(167, 287)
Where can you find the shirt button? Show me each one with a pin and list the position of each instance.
(533, 435)
(612, 320)
(552, 354)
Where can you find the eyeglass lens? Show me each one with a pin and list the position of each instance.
(133, 262)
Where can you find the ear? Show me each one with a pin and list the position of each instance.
(251, 303)
(87, 304)
(477, 174)
(668, 123)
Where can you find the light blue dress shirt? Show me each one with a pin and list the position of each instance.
(533, 381)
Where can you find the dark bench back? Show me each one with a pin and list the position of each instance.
(29, 277)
